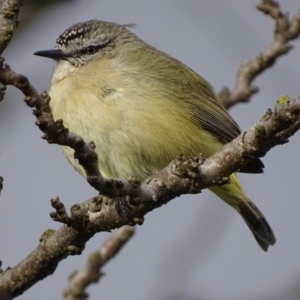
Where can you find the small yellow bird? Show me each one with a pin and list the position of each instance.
(142, 108)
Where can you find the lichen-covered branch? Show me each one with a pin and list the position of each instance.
(91, 271)
(285, 31)
(183, 175)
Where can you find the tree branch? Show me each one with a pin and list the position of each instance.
(9, 12)
(42, 261)
(91, 272)
(285, 31)
(184, 175)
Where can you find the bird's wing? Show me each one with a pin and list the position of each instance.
(187, 86)
(213, 117)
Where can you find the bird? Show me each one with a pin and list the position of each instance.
(142, 108)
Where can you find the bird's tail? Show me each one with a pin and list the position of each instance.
(233, 195)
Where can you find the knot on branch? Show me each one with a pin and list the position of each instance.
(187, 170)
(60, 214)
(185, 166)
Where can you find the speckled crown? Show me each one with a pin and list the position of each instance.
(90, 29)
(77, 31)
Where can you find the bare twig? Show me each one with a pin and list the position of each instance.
(286, 30)
(91, 272)
(184, 175)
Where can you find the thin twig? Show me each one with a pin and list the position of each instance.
(285, 31)
(91, 271)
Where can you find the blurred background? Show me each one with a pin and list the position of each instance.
(196, 247)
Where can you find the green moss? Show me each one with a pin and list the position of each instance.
(283, 99)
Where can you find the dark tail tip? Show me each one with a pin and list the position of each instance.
(255, 166)
(257, 224)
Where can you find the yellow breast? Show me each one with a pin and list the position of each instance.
(136, 127)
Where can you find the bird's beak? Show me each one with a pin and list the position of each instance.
(54, 54)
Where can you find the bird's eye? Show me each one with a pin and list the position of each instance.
(90, 50)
